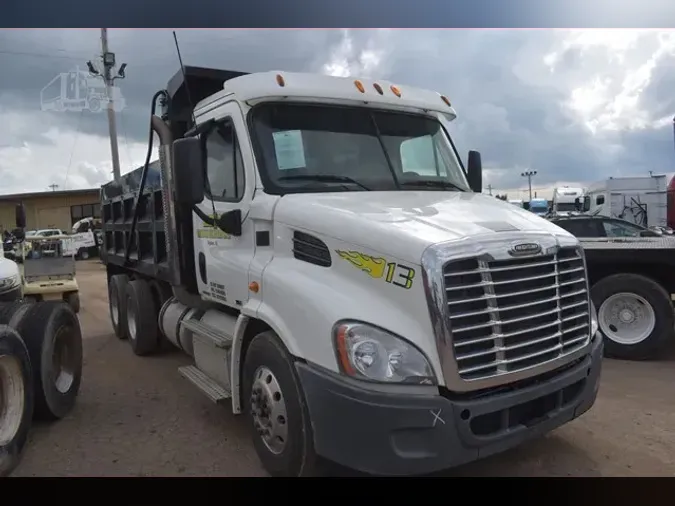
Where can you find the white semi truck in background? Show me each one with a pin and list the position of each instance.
(318, 248)
(566, 199)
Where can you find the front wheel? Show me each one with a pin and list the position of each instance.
(635, 316)
(276, 410)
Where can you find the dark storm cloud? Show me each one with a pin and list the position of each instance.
(510, 104)
(31, 59)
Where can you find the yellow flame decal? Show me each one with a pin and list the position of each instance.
(373, 266)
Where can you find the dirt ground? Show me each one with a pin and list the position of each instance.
(138, 417)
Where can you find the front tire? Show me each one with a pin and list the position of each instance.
(276, 410)
(635, 316)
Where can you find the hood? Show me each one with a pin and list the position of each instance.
(406, 223)
(8, 268)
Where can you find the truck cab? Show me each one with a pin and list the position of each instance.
(320, 249)
(565, 200)
(539, 207)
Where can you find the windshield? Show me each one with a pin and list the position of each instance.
(538, 208)
(566, 206)
(326, 148)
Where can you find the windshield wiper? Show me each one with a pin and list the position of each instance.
(329, 178)
(446, 185)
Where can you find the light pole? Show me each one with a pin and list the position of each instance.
(528, 174)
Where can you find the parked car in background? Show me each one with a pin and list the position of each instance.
(602, 226)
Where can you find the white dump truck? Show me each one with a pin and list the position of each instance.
(317, 246)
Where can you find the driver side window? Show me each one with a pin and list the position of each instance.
(421, 155)
(224, 165)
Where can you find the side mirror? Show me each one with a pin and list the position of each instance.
(475, 172)
(587, 204)
(20, 216)
(188, 170)
(230, 222)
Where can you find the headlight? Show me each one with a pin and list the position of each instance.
(10, 282)
(369, 353)
(594, 320)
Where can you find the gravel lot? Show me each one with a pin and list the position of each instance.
(138, 417)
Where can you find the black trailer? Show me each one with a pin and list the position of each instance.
(633, 285)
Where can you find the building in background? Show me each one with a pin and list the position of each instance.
(51, 209)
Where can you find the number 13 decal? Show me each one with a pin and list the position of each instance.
(400, 275)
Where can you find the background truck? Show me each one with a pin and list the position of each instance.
(640, 200)
(352, 301)
(632, 274)
(539, 207)
(565, 199)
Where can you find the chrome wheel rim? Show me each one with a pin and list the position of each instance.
(63, 360)
(12, 396)
(268, 410)
(626, 318)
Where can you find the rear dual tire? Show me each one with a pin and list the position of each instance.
(133, 312)
(40, 374)
(16, 398)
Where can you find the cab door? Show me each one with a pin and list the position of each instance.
(221, 259)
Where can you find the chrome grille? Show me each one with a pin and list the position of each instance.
(510, 315)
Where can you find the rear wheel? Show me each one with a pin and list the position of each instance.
(276, 409)
(142, 328)
(117, 289)
(16, 398)
(83, 254)
(635, 316)
(53, 337)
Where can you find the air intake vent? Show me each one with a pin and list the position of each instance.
(310, 249)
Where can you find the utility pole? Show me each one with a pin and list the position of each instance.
(53, 186)
(528, 174)
(489, 188)
(108, 58)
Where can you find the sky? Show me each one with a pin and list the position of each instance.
(576, 106)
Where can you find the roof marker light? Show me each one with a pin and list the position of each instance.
(378, 88)
(395, 91)
(359, 86)
(280, 80)
(446, 100)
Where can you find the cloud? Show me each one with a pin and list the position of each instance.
(574, 105)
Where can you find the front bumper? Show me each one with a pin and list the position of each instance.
(11, 294)
(382, 432)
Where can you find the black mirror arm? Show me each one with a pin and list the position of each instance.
(212, 222)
